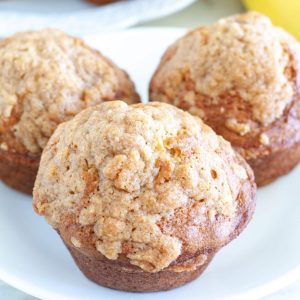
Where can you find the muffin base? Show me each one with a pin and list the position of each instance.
(270, 167)
(18, 171)
(132, 279)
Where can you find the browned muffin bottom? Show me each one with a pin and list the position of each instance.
(46, 78)
(132, 279)
(143, 195)
(240, 76)
(18, 171)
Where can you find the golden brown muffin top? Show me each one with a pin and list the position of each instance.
(125, 171)
(242, 56)
(46, 77)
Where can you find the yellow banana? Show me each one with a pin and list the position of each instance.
(284, 13)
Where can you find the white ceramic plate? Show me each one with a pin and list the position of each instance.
(265, 258)
(79, 17)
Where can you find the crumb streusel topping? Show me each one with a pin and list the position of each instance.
(47, 77)
(122, 169)
(244, 56)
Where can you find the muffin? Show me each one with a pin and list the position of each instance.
(142, 195)
(240, 75)
(47, 77)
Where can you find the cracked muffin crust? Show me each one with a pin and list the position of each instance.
(144, 191)
(240, 75)
(46, 78)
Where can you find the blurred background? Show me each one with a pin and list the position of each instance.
(83, 18)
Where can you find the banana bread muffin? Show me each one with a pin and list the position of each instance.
(143, 195)
(47, 77)
(241, 76)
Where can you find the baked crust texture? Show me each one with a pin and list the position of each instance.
(240, 75)
(46, 78)
(149, 188)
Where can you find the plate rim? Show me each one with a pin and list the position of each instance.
(255, 293)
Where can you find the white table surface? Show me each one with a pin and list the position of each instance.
(202, 12)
